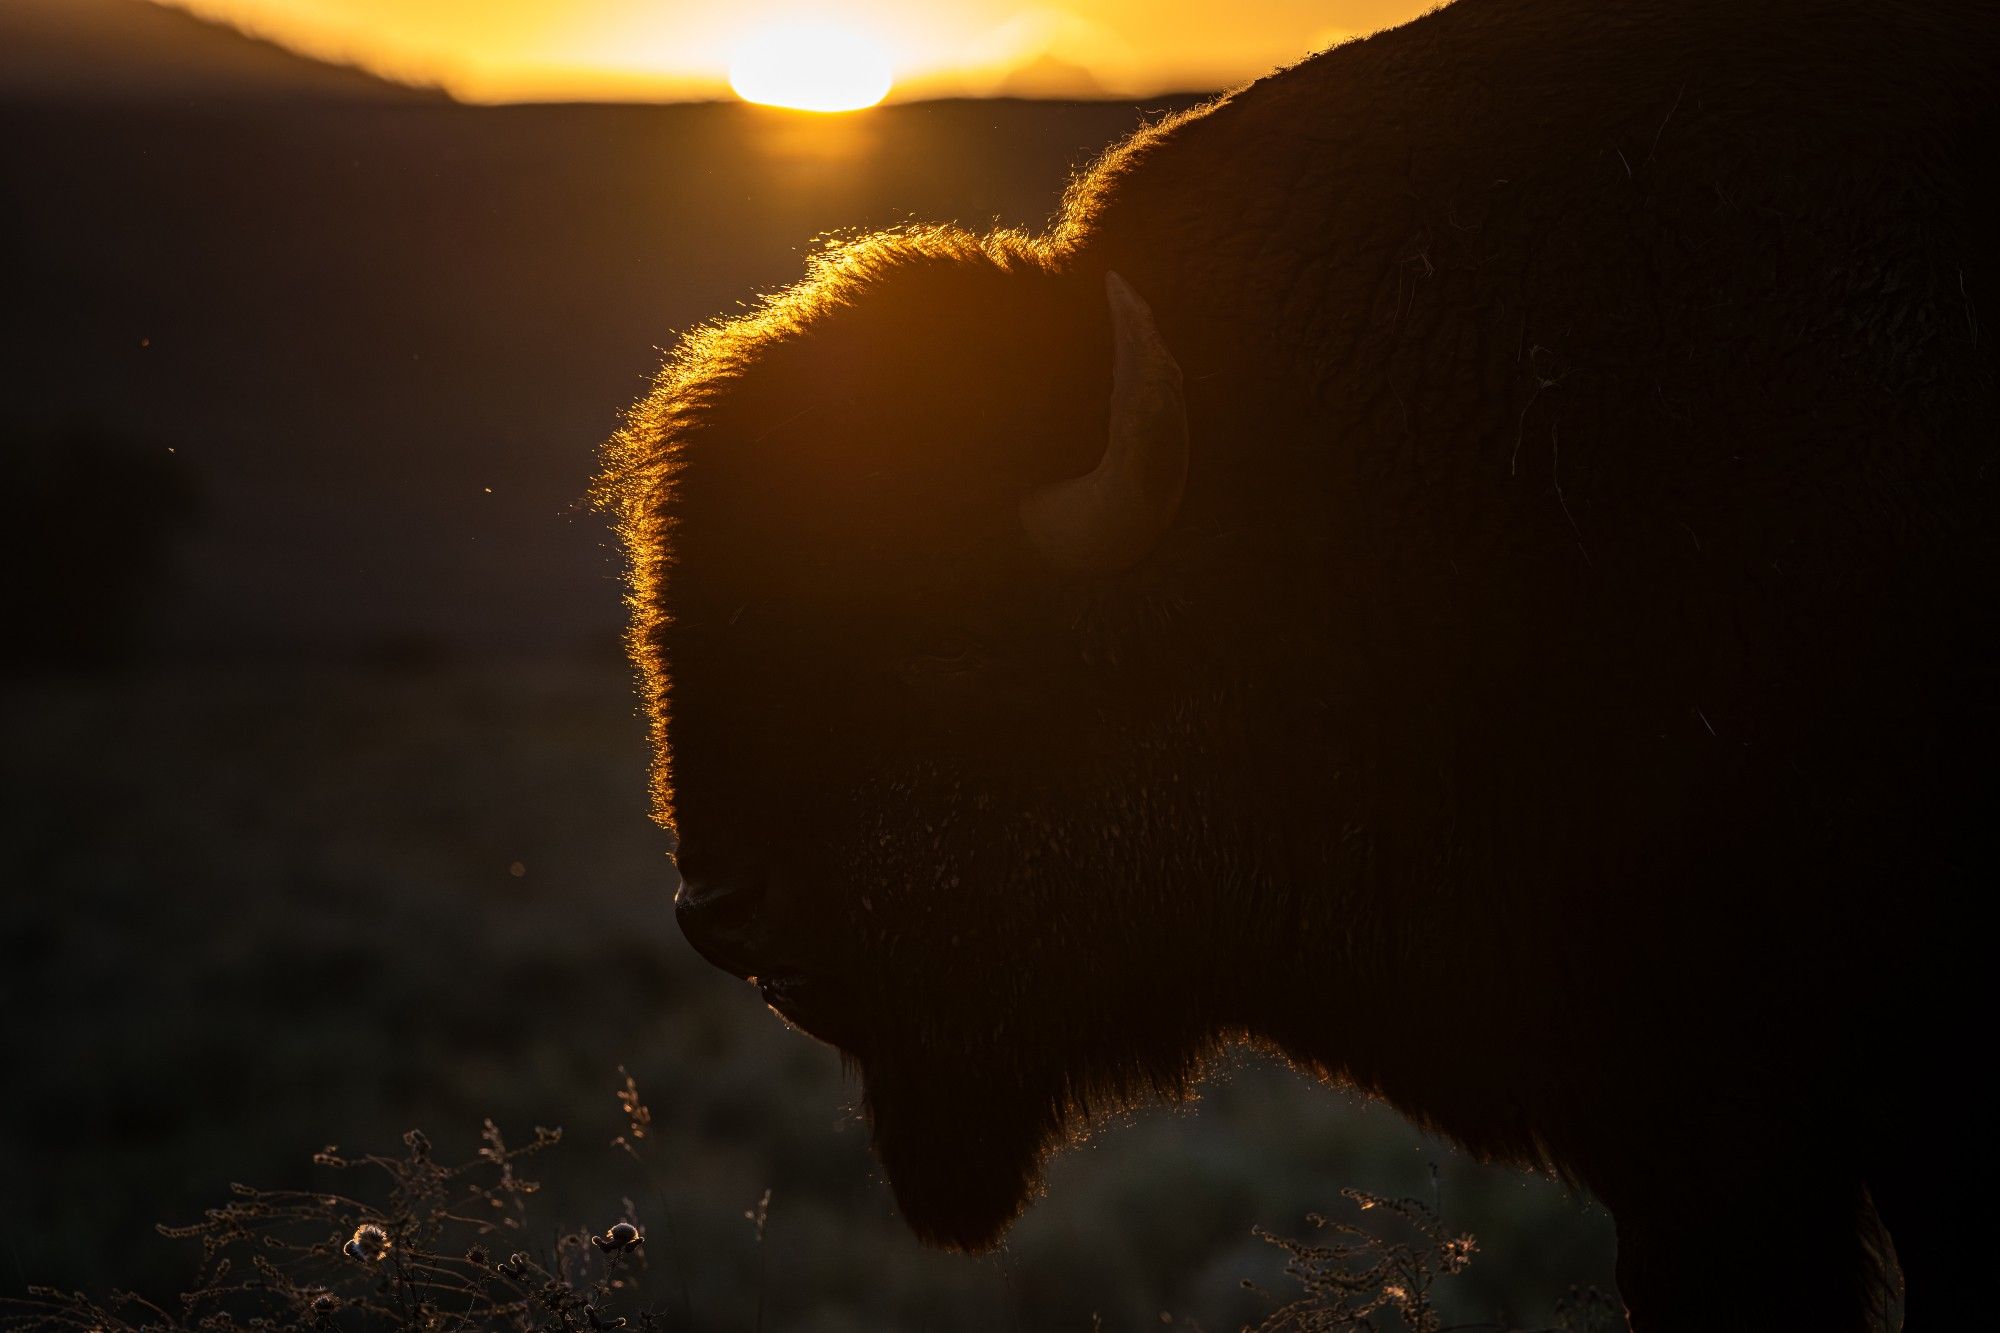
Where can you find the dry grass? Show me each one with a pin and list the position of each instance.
(410, 1243)
(413, 1244)
(1384, 1273)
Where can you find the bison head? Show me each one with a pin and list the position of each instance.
(899, 605)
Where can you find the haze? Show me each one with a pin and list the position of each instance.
(515, 50)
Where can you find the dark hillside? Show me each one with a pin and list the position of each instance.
(384, 340)
(137, 51)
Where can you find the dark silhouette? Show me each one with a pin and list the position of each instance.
(1526, 649)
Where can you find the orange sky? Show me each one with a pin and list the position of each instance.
(501, 50)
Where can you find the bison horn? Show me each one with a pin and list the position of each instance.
(1108, 519)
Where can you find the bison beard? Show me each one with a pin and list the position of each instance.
(1470, 562)
(976, 1061)
(962, 1132)
(961, 1156)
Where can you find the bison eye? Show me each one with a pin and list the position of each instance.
(944, 655)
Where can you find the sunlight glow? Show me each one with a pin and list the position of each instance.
(810, 67)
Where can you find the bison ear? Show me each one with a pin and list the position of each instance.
(1108, 519)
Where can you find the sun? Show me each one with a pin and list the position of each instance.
(810, 67)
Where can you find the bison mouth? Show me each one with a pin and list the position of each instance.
(812, 1006)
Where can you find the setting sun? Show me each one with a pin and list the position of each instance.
(810, 67)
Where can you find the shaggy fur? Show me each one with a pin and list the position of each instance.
(1564, 706)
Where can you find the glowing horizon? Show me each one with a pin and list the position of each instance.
(640, 50)
(811, 67)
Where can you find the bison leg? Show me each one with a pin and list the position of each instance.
(1761, 1252)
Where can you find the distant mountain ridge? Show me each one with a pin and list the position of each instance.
(124, 51)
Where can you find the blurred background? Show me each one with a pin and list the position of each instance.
(324, 805)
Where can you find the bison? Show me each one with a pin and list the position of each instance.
(1467, 563)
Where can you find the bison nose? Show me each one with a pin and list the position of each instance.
(723, 924)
